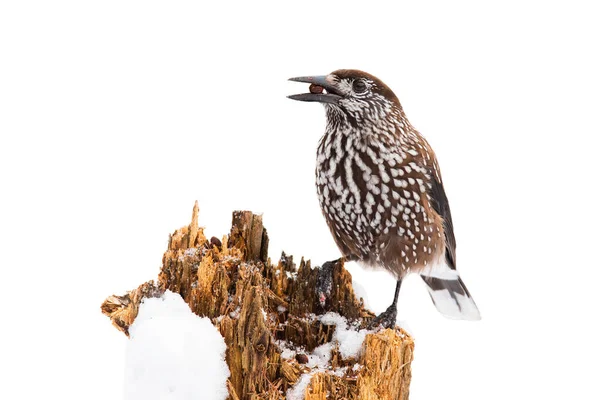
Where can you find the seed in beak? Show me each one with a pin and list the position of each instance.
(315, 89)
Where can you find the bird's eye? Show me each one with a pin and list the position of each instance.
(359, 86)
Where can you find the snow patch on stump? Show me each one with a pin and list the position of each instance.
(297, 392)
(174, 354)
(349, 340)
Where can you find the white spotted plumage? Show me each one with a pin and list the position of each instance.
(381, 192)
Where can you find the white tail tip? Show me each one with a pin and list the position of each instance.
(452, 299)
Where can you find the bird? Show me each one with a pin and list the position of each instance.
(380, 190)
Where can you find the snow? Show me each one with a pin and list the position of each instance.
(191, 252)
(235, 313)
(320, 356)
(297, 392)
(287, 353)
(349, 340)
(318, 359)
(174, 354)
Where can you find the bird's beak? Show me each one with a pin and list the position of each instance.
(326, 82)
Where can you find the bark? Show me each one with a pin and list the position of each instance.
(261, 308)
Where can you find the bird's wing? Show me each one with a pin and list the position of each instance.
(440, 204)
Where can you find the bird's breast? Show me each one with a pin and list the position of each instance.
(374, 197)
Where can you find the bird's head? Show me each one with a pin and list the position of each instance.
(357, 94)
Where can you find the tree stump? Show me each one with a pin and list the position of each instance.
(271, 318)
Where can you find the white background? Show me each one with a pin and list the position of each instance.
(116, 115)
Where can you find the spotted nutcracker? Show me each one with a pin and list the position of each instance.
(381, 192)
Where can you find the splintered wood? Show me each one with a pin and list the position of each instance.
(269, 315)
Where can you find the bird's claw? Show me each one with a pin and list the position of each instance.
(386, 319)
(324, 282)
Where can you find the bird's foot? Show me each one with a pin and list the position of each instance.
(386, 319)
(325, 281)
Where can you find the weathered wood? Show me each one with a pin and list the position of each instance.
(262, 308)
(122, 310)
(248, 235)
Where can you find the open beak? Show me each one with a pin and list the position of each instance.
(325, 82)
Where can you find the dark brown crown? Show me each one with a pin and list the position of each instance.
(379, 87)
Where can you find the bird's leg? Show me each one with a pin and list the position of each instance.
(387, 319)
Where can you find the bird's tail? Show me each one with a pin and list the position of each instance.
(451, 298)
